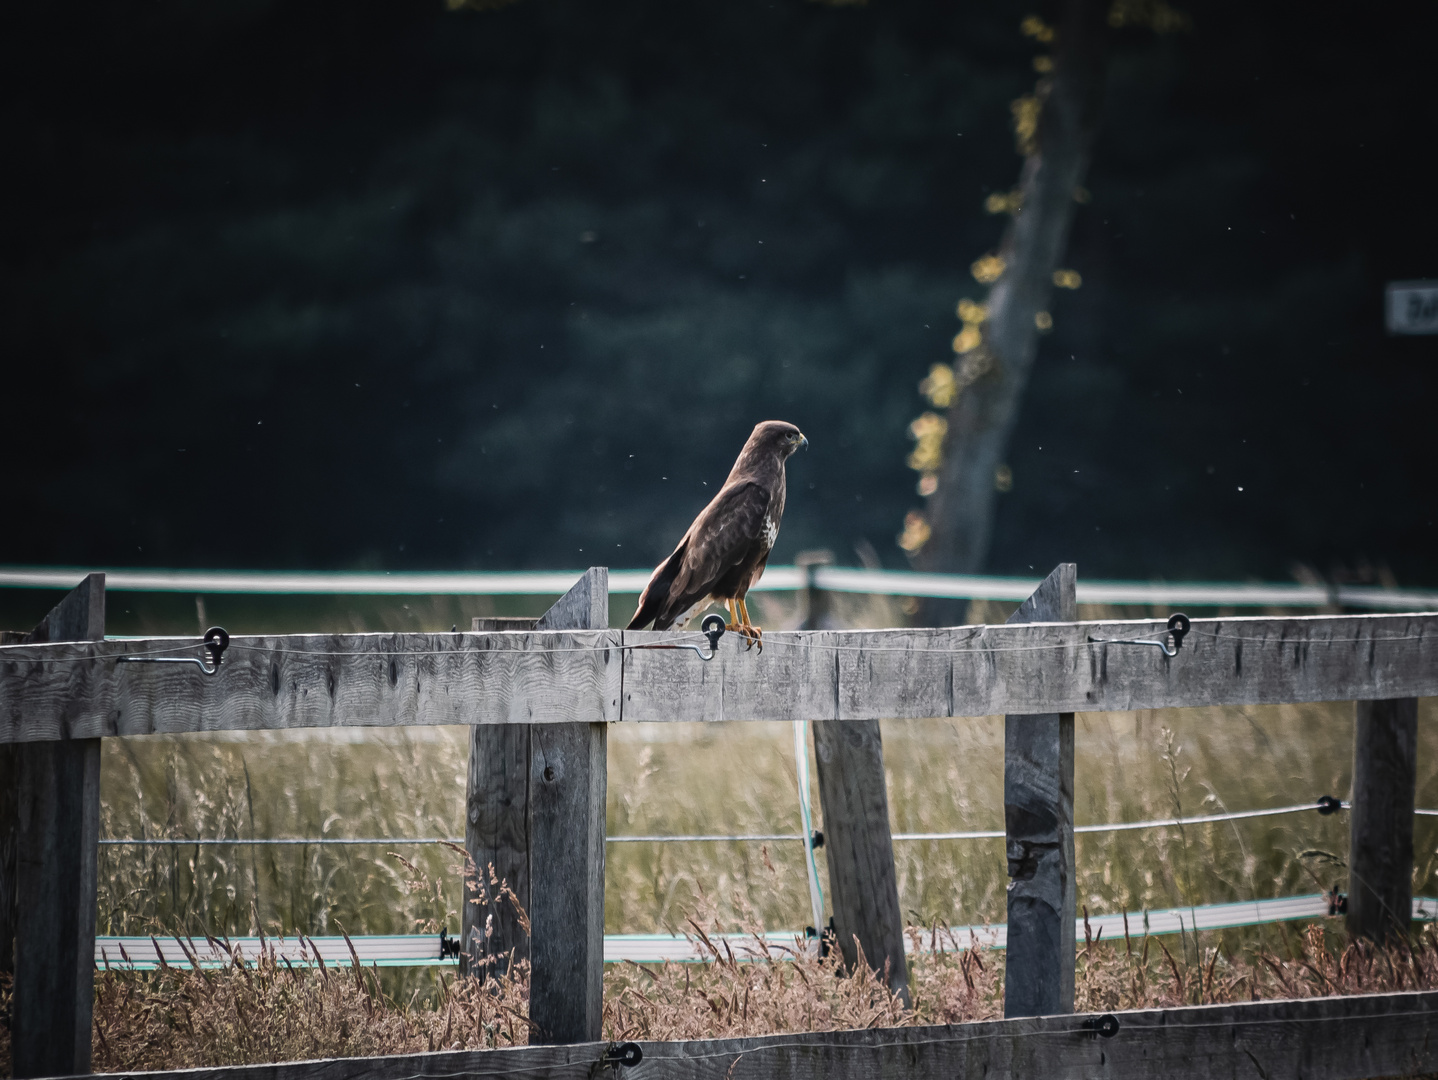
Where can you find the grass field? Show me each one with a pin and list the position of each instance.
(732, 778)
(687, 778)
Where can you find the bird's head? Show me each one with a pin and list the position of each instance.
(777, 436)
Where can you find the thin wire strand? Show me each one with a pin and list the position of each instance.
(982, 834)
(684, 639)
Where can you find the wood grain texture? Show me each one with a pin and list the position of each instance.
(859, 847)
(356, 680)
(568, 781)
(1315, 1039)
(584, 607)
(1039, 835)
(57, 805)
(567, 786)
(1033, 668)
(9, 852)
(9, 831)
(496, 835)
(394, 679)
(1380, 858)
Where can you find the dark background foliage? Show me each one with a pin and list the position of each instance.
(321, 284)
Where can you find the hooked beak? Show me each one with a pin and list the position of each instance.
(803, 440)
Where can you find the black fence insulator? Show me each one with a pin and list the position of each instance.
(448, 946)
(816, 840)
(1327, 804)
(618, 1054)
(1178, 627)
(216, 641)
(1337, 902)
(826, 939)
(1105, 1025)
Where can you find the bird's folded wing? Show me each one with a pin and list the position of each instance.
(720, 538)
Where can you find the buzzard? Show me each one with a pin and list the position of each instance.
(724, 551)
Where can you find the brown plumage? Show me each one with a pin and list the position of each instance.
(724, 551)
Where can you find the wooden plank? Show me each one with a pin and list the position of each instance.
(58, 823)
(9, 852)
(567, 786)
(1349, 1038)
(547, 677)
(313, 680)
(1039, 835)
(1380, 852)
(859, 847)
(1033, 668)
(496, 835)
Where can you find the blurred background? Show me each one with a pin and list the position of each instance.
(381, 285)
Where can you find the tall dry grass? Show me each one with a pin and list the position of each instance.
(715, 778)
(260, 1009)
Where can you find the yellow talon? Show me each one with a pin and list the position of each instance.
(751, 632)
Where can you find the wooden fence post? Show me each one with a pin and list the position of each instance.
(535, 812)
(9, 837)
(58, 824)
(1039, 823)
(496, 835)
(1380, 846)
(815, 600)
(849, 760)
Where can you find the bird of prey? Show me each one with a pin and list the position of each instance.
(724, 551)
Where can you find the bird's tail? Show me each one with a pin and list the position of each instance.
(651, 601)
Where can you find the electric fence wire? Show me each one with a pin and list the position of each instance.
(689, 838)
(682, 640)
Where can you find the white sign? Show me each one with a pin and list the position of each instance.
(1412, 307)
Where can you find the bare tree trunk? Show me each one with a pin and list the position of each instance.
(991, 377)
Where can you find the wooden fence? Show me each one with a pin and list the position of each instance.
(539, 701)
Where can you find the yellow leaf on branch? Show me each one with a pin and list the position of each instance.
(971, 312)
(987, 269)
(968, 339)
(940, 387)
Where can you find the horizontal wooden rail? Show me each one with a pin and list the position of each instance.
(1318, 1039)
(77, 690)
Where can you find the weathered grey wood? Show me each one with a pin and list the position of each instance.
(567, 785)
(815, 601)
(1380, 850)
(546, 677)
(490, 623)
(58, 822)
(1313, 1039)
(1039, 835)
(1033, 668)
(496, 835)
(301, 681)
(536, 815)
(859, 847)
(9, 852)
(584, 607)
(9, 831)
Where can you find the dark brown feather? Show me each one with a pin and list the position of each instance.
(724, 551)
